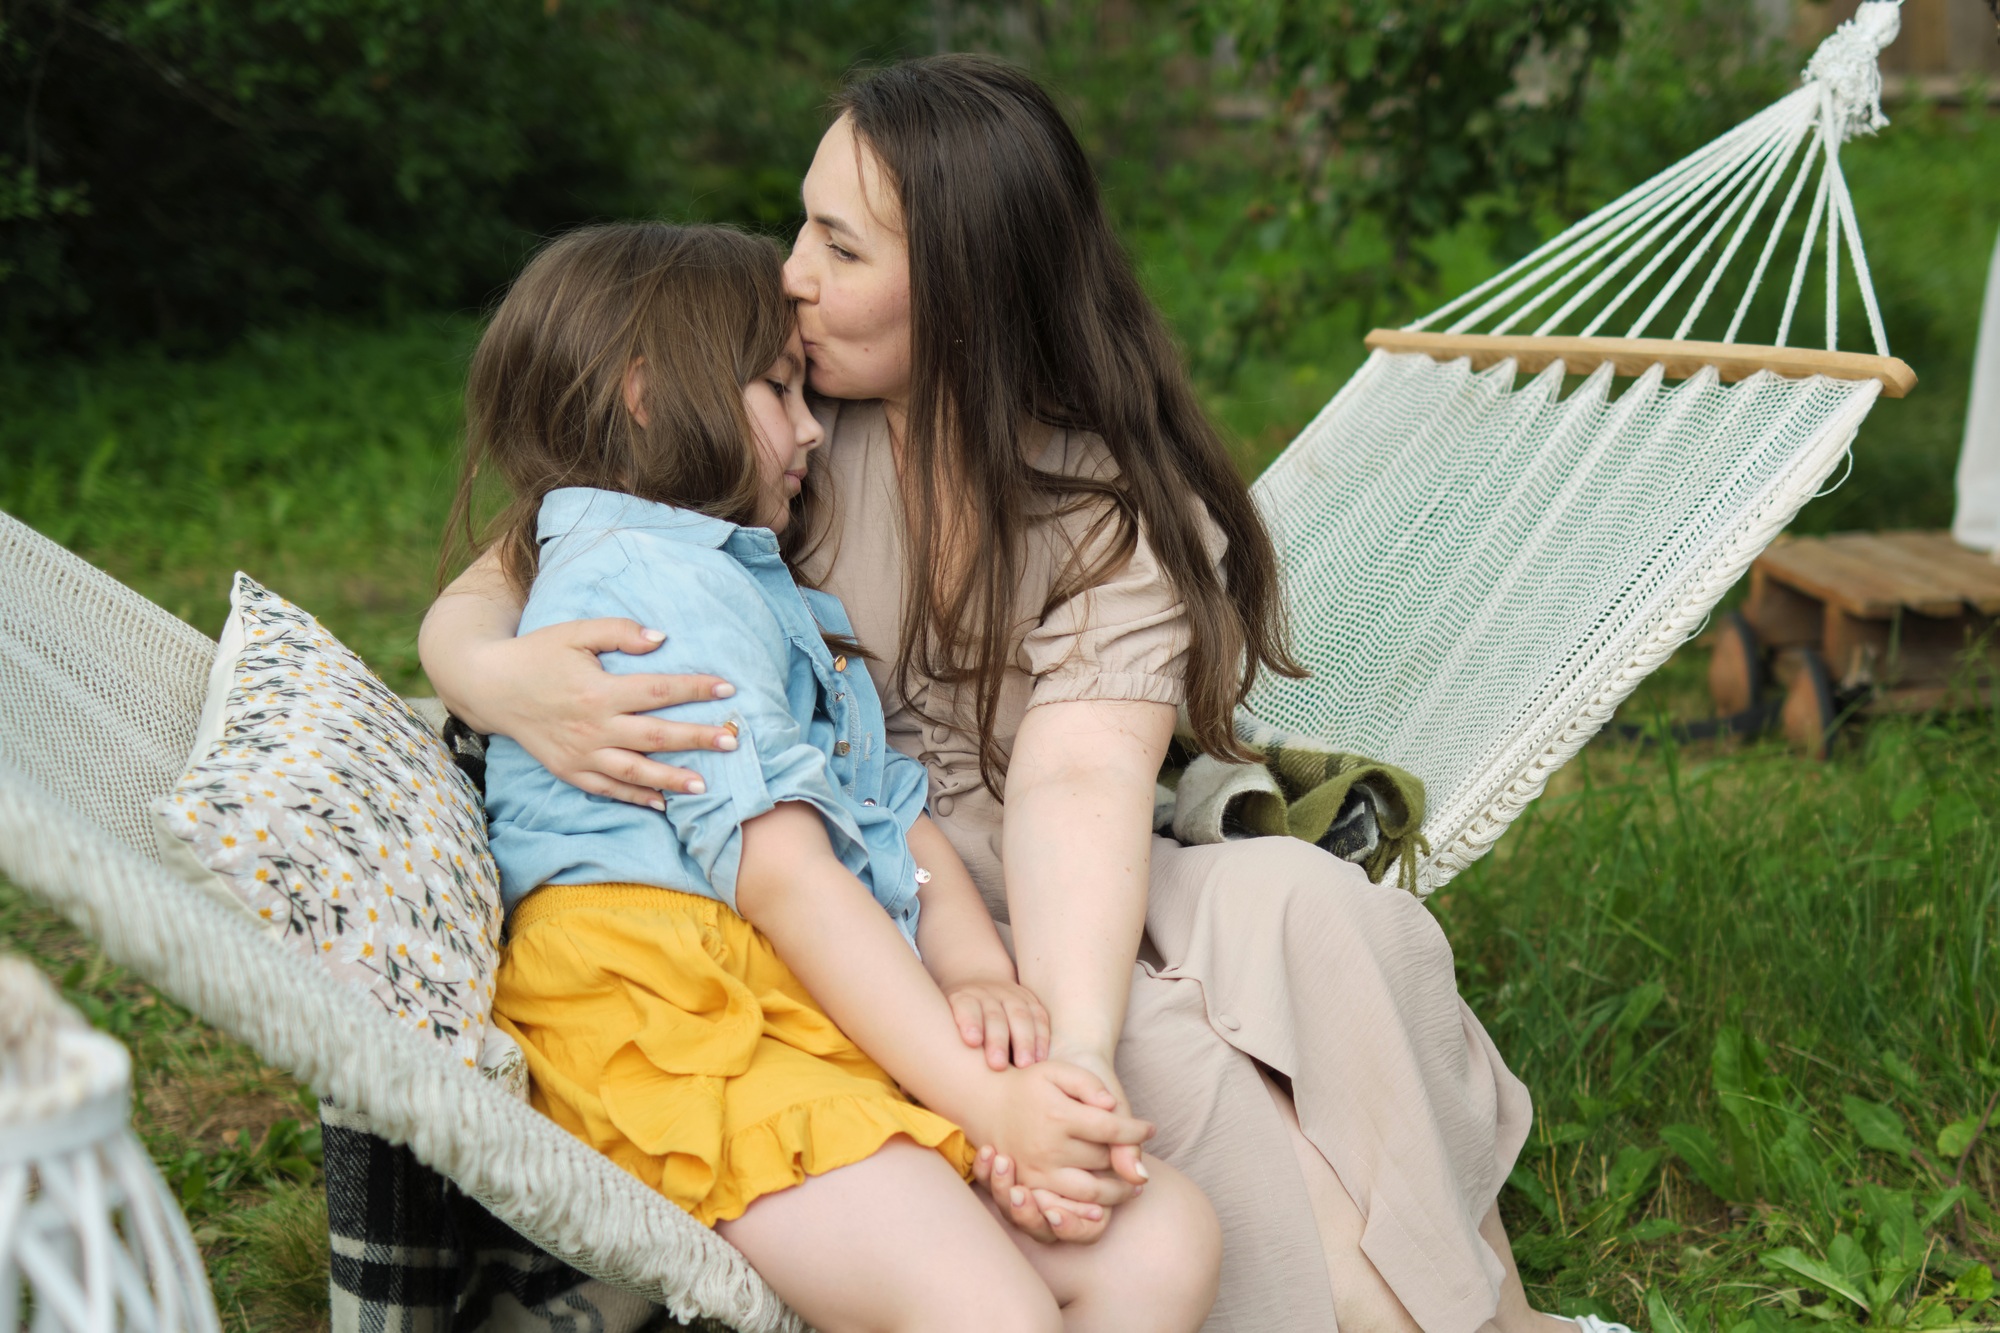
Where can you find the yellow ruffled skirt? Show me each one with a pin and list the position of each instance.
(662, 1029)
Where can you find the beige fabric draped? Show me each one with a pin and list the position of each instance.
(1267, 950)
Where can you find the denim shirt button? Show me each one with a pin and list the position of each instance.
(868, 801)
(840, 663)
(840, 747)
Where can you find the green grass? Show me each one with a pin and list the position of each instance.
(320, 460)
(1757, 1000)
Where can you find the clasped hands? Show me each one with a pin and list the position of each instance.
(1059, 1148)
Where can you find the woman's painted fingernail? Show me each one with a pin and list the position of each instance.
(653, 636)
(1055, 1218)
(1017, 1196)
(986, 1154)
(1002, 1165)
(658, 803)
(1096, 1213)
(725, 691)
(725, 741)
(1144, 1174)
(696, 787)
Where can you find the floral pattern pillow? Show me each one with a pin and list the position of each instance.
(334, 814)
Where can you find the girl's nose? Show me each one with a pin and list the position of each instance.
(808, 433)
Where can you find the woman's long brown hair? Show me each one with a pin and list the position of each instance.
(1024, 309)
(704, 307)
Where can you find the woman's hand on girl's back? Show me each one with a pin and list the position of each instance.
(547, 691)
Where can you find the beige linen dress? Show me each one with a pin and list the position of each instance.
(1268, 950)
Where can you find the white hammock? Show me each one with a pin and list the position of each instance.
(1479, 575)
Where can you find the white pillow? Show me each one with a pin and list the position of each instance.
(319, 803)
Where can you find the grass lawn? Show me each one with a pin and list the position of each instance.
(1757, 1000)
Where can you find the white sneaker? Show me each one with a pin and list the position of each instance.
(1590, 1323)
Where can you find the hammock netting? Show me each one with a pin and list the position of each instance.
(1478, 573)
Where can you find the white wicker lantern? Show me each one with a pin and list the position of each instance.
(90, 1240)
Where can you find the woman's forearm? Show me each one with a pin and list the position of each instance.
(1077, 846)
(478, 609)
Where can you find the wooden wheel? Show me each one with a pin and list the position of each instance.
(1811, 710)
(1736, 669)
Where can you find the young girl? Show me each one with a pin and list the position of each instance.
(727, 994)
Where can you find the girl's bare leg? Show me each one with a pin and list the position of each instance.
(1362, 1300)
(1155, 1268)
(893, 1244)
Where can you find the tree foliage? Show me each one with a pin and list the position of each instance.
(178, 169)
(1408, 110)
(1385, 123)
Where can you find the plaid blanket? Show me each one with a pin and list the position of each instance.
(414, 1254)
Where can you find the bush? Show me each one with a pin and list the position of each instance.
(177, 170)
(226, 163)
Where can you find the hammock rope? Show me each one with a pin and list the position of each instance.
(1689, 208)
(1480, 572)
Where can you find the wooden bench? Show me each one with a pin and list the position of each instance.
(1859, 623)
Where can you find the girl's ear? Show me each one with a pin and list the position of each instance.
(635, 391)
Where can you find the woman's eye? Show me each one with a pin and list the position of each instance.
(845, 256)
(779, 387)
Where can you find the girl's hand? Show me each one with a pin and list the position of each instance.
(1059, 1124)
(1042, 1214)
(548, 692)
(998, 1015)
(1125, 1158)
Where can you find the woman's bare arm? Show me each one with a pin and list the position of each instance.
(1077, 846)
(548, 691)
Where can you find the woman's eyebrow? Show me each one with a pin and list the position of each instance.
(832, 223)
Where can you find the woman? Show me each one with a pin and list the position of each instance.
(1042, 540)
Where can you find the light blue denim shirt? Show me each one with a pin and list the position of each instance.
(809, 725)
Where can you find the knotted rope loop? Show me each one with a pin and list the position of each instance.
(1845, 65)
(51, 1064)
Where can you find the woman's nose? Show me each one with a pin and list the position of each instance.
(798, 281)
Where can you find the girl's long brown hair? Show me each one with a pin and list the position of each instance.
(704, 307)
(1024, 309)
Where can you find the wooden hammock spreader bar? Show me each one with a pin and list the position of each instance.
(1634, 356)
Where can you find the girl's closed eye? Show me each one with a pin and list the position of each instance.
(786, 434)
(845, 256)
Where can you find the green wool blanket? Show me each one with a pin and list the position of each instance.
(1359, 809)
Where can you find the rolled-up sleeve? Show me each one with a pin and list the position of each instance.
(906, 787)
(1126, 638)
(713, 628)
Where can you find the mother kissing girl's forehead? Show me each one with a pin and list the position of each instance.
(1045, 552)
